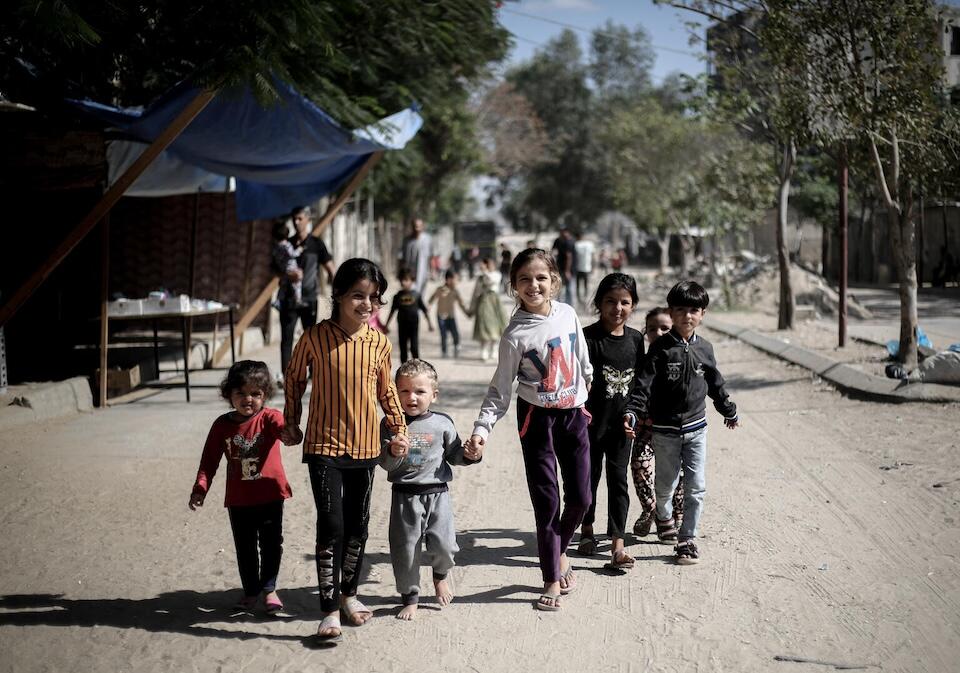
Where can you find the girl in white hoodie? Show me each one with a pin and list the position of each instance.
(543, 348)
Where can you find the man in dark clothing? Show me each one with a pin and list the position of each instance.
(564, 251)
(314, 255)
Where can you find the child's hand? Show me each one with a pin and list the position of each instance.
(291, 435)
(732, 423)
(196, 500)
(629, 421)
(430, 326)
(399, 445)
(473, 450)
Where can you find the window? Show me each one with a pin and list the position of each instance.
(955, 41)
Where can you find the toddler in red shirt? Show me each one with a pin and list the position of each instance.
(249, 437)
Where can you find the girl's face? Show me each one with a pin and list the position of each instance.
(358, 304)
(247, 400)
(534, 286)
(657, 326)
(615, 308)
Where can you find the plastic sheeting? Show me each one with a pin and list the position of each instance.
(289, 153)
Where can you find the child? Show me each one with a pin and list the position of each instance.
(544, 349)
(406, 303)
(420, 511)
(249, 436)
(616, 353)
(349, 365)
(489, 319)
(285, 257)
(657, 323)
(679, 372)
(447, 298)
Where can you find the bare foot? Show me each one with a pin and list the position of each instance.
(408, 613)
(444, 593)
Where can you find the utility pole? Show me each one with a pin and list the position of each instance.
(842, 184)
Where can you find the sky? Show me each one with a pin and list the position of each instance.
(534, 22)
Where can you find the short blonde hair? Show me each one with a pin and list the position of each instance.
(417, 367)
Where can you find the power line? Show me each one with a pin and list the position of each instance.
(589, 30)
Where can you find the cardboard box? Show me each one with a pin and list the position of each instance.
(120, 381)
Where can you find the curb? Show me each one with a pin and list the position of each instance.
(33, 402)
(845, 377)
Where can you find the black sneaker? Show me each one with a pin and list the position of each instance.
(687, 554)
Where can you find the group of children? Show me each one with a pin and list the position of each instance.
(582, 395)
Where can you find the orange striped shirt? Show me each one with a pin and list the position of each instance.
(350, 373)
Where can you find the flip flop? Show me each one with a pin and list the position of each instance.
(330, 622)
(352, 608)
(273, 607)
(568, 581)
(622, 561)
(548, 602)
(246, 603)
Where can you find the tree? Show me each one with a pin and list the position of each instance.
(872, 72)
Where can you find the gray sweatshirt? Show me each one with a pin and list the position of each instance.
(434, 447)
(547, 356)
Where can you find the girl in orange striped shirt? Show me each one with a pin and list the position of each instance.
(349, 365)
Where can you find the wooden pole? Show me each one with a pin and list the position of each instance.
(106, 202)
(104, 299)
(842, 180)
(191, 285)
(251, 312)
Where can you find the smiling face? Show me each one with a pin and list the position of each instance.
(615, 308)
(247, 400)
(535, 286)
(416, 393)
(686, 319)
(357, 305)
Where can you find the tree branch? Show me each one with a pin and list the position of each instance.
(715, 17)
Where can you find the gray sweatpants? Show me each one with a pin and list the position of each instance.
(415, 520)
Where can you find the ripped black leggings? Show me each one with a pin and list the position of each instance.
(342, 497)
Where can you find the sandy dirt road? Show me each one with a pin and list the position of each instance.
(811, 549)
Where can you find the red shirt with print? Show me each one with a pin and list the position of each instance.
(254, 467)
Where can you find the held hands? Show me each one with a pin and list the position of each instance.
(473, 448)
(291, 435)
(399, 445)
(196, 500)
(634, 427)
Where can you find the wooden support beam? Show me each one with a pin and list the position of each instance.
(251, 312)
(104, 306)
(109, 199)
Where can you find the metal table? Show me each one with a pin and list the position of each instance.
(186, 323)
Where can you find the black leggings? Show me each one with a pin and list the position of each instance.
(253, 524)
(342, 497)
(409, 336)
(616, 447)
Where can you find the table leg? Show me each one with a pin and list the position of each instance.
(233, 354)
(156, 352)
(186, 356)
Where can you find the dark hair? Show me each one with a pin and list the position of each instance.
(450, 274)
(405, 274)
(530, 255)
(281, 231)
(297, 210)
(349, 274)
(688, 293)
(654, 312)
(615, 281)
(247, 373)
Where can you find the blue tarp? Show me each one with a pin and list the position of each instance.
(283, 155)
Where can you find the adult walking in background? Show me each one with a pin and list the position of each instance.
(583, 265)
(415, 254)
(564, 253)
(313, 255)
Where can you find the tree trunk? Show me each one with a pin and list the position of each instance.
(786, 313)
(664, 241)
(903, 242)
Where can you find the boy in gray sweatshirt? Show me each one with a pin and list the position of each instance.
(420, 509)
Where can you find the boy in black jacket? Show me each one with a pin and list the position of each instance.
(678, 373)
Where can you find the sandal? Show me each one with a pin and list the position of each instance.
(356, 612)
(272, 603)
(548, 602)
(568, 581)
(621, 561)
(642, 527)
(667, 531)
(587, 546)
(331, 621)
(246, 603)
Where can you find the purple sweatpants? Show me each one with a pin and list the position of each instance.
(549, 437)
